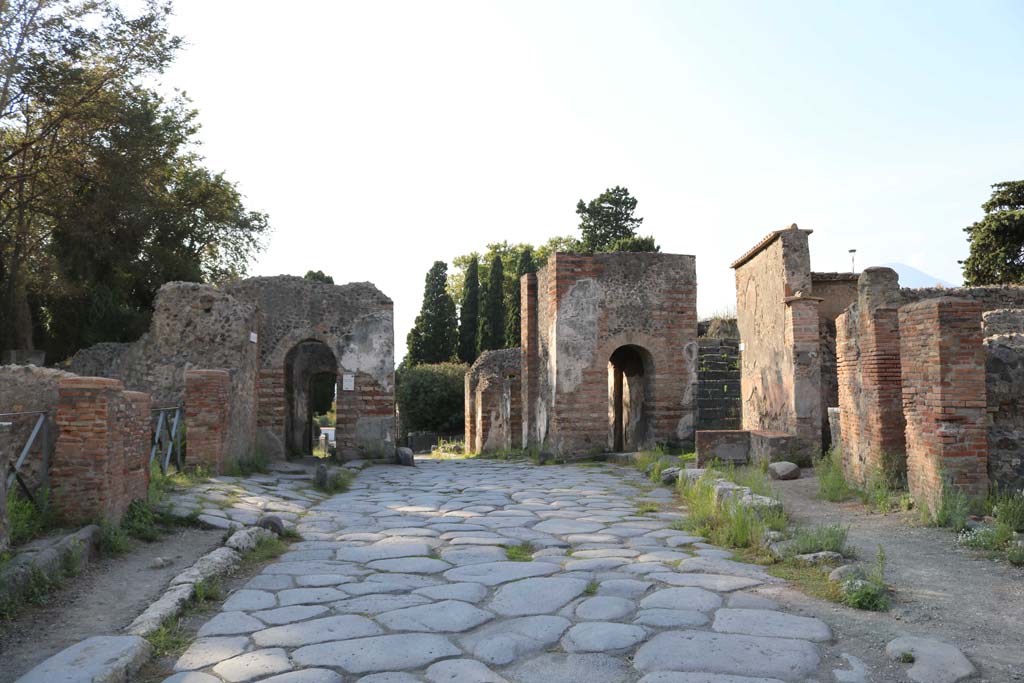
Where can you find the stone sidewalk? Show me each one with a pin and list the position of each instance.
(405, 579)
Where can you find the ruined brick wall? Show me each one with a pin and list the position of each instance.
(778, 322)
(718, 384)
(1004, 370)
(870, 396)
(193, 326)
(29, 389)
(101, 459)
(586, 308)
(836, 291)
(990, 298)
(494, 402)
(944, 397)
(356, 322)
(207, 419)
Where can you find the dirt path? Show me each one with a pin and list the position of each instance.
(942, 591)
(103, 599)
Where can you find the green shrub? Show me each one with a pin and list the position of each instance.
(953, 508)
(27, 520)
(988, 538)
(832, 484)
(869, 593)
(113, 540)
(878, 493)
(431, 398)
(1008, 509)
(338, 481)
(139, 522)
(1015, 554)
(820, 538)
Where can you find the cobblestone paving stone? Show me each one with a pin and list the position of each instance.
(405, 579)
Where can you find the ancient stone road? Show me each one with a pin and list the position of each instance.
(405, 579)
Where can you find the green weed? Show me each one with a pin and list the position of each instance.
(1015, 554)
(208, 590)
(989, 538)
(647, 508)
(169, 639)
(832, 484)
(113, 540)
(520, 553)
(869, 593)
(28, 521)
(338, 481)
(1008, 509)
(952, 510)
(591, 588)
(831, 538)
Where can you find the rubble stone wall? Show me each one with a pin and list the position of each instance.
(1004, 372)
(194, 326)
(580, 310)
(30, 389)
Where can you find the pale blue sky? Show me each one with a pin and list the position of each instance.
(381, 136)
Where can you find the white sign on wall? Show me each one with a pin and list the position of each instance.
(253, 338)
(348, 382)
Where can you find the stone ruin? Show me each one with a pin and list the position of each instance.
(494, 416)
(239, 360)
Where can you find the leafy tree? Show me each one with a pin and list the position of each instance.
(434, 337)
(607, 218)
(469, 313)
(525, 265)
(492, 314)
(431, 397)
(319, 276)
(997, 240)
(564, 244)
(102, 199)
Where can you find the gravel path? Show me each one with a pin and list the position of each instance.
(405, 579)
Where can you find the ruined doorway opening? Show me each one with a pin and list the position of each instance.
(629, 374)
(308, 367)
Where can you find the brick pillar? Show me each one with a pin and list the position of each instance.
(137, 442)
(206, 417)
(804, 341)
(530, 358)
(944, 397)
(100, 427)
(870, 384)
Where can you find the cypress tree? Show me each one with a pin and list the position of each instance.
(469, 314)
(434, 336)
(512, 322)
(492, 313)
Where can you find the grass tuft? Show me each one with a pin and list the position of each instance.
(339, 481)
(591, 588)
(832, 484)
(831, 538)
(520, 553)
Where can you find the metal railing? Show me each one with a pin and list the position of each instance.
(14, 469)
(167, 437)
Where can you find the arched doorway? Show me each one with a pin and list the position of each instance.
(310, 379)
(629, 377)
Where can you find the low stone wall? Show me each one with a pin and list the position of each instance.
(775, 446)
(719, 404)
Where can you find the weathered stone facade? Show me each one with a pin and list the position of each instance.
(270, 334)
(609, 352)
(28, 390)
(356, 324)
(778, 322)
(494, 416)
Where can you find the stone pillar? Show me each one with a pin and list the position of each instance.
(101, 428)
(5, 446)
(802, 337)
(530, 358)
(944, 397)
(206, 417)
(870, 385)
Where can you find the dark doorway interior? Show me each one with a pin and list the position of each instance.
(311, 372)
(628, 378)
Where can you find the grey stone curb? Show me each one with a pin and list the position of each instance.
(16, 577)
(215, 563)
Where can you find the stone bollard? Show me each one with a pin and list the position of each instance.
(5, 436)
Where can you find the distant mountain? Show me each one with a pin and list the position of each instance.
(912, 277)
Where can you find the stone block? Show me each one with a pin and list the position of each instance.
(728, 446)
(100, 659)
